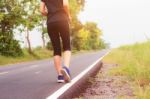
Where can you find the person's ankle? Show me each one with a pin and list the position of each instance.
(60, 74)
(66, 66)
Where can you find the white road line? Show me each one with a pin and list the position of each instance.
(64, 88)
(38, 72)
(34, 66)
(2, 73)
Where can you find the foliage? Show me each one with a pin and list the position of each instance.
(49, 46)
(75, 7)
(80, 40)
(26, 15)
(134, 63)
(88, 38)
(13, 14)
(95, 41)
(32, 17)
(39, 54)
(10, 17)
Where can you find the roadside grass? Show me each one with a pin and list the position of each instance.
(38, 54)
(134, 62)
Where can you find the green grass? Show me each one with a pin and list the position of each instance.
(134, 61)
(38, 54)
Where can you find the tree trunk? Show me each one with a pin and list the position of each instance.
(28, 41)
(43, 39)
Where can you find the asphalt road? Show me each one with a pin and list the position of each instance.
(37, 80)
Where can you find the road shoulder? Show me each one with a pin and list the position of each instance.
(105, 86)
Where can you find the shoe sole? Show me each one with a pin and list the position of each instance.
(60, 81)
(66, 75)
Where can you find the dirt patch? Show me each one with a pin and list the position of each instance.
(105, 86)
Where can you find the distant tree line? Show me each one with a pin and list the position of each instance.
(24, 15)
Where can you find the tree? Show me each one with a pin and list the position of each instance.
(10, 18)
(81, 39)
(95, 33)
(89, 37)
(43, 30)
(75, 7)
(31, 19)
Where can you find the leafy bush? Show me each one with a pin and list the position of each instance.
(49, 46)
(10, 47)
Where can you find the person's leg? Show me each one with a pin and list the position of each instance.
(67, 57)
(57, 62)
(65, 36)
(55, 39)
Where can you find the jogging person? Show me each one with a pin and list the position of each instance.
(58, 17)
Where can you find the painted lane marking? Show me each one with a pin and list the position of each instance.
(64, 88)
(34, 66)
(38, 72)
(2, 73)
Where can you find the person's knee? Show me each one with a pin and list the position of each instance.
(67, 49)
(57, 52)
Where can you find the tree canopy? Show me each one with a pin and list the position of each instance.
(25, 13)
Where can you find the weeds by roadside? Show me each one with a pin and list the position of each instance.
(38, 54)
(134, 62)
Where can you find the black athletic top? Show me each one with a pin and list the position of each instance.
(56, 11)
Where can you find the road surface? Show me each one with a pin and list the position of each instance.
(37, 80)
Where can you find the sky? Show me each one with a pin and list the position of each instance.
(121, 21)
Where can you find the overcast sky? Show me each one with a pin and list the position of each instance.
(122, 21)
